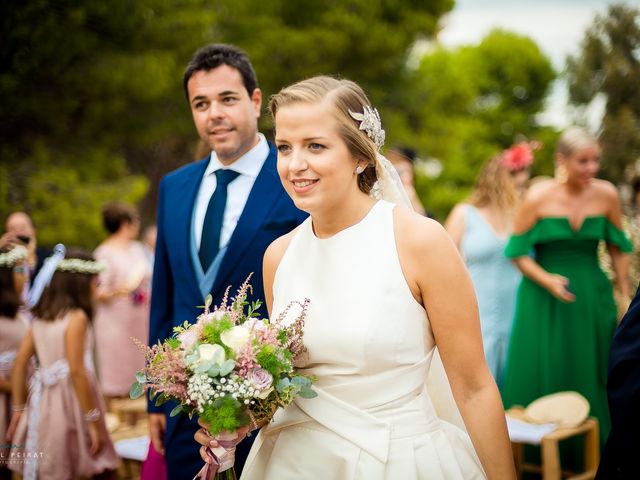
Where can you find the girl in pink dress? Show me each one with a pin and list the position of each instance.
(60, 432)
(123, 301)
(13, 326)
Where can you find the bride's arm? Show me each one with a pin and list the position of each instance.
(439, 280)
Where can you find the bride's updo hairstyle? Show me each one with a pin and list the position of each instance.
(342, 95)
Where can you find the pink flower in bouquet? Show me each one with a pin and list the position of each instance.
(256, 324)
(209, 317)
(262, 381)
(260, 378)
(188, 338)
(246, 361)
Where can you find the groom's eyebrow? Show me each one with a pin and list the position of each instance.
(227, 92)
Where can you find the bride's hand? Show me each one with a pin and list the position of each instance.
(207, 441)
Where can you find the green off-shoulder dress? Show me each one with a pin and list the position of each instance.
(557, 346)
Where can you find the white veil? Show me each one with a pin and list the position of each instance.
(389, 187)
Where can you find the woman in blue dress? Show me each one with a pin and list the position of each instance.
(480, 228)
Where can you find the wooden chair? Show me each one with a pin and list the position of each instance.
(550, 453)
(129, 411)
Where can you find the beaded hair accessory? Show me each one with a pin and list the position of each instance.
(370, 123)
(13, 256)
(388, 186)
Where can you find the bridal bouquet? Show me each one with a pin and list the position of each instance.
(231, 368)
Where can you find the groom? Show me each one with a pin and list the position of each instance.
(620, 454)
(215, 219)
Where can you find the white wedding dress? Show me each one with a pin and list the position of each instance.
(370, 346)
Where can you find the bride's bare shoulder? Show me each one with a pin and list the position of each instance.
(413, 230)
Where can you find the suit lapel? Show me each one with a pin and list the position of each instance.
(265, 192)
(183, 204)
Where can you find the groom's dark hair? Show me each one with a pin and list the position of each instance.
(212, 56)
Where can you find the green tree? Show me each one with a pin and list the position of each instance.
(92, 94)
(472, 102)
(362, 40)
(609, 65)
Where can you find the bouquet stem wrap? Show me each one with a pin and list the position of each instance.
(222, 458)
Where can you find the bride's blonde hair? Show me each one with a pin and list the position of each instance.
(343, 96)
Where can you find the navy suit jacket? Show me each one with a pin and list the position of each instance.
(268, 214)
(620, 457)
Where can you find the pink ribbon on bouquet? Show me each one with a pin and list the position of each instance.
(222, 457)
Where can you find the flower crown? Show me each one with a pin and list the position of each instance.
(519, 156)
(76, 265)
(13, 256)
(370, 122)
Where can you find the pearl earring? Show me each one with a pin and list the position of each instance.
(359, 169)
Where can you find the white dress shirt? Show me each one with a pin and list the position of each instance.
(248, 166)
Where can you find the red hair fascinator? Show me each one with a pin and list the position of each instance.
(519, 156)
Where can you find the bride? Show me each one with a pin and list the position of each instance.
(386, 287)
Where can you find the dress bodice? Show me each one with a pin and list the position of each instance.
(126, 267)
(554, 241)
(480, 245)
(362, 318)
(50, 342)
(494, 276)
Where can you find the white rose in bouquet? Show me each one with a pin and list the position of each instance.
(236, 338)
(211, 353)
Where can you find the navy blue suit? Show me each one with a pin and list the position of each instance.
(268, 214)
(620, 457)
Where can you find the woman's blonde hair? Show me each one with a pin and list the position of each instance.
(494, 186)
(574, 139)
(343, 96)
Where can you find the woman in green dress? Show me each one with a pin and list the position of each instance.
(565, 311)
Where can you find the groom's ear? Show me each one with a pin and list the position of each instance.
(256, 100)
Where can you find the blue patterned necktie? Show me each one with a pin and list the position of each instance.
(212, 226)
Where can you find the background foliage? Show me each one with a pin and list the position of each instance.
(609, 65)
(472, 102)
(93, 108)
